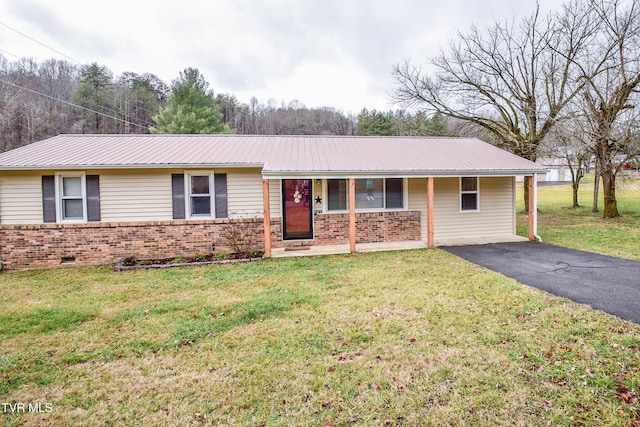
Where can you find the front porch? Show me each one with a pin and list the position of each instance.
(414, 227)
(345, 249)
(388, 246)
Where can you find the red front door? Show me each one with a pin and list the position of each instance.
(297, 209)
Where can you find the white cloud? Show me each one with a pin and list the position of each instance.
(323, 53)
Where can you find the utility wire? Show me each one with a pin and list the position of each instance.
(145, 110)
(9, 53)
(150, 113)
(73, 105)
(40, 43)
(58, 52)
(74, 60)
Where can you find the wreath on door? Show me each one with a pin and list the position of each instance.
(297, 196)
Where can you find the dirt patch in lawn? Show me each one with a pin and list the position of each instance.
(133, 263)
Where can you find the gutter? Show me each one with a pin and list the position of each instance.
(269, 174)
(133, 166)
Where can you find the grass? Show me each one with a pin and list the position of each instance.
(582, 229)
(399, 338)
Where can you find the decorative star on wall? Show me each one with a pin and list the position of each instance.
(318, 200)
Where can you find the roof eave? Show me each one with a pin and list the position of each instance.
(284, 174)
(133, 166)
(401, 174)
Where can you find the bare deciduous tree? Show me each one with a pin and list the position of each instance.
(610, 72)
(505, 79)
(565, 142)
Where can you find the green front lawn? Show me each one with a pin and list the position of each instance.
(400, 338)
(580, 228)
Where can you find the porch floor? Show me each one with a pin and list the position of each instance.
(390, 246)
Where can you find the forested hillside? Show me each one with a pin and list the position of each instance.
(42, 99)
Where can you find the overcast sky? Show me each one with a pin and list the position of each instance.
(336, 53)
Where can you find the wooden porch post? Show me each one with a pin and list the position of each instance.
(430, 226)
(352, 215)
(267, 218)
(532, 207)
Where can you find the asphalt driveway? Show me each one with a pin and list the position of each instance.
(605, 283)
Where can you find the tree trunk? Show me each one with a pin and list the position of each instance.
(596, 189)
(577, 173)
(609, 188)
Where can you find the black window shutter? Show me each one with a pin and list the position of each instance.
(177, 192)
(48, 198)
(220, 180)
(93, 197)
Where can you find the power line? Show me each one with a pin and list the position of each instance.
(40, 43)
(56, 51)
(73, 105)
(74, 60)
(103, 107)
(9, 53)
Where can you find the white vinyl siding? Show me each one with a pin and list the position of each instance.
(495, 217)
(275, 191)
(244, 192)
(417, 201)
(128, 197)
(21, 199)
(147, 197)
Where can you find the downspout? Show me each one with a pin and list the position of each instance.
(535, 208)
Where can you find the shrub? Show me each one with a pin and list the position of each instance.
(240, 234)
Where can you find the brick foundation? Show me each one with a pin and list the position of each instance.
(371, 227)
(50, 245)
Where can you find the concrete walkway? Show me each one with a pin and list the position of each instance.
(344, 249)
(389, 246)
(605, 283)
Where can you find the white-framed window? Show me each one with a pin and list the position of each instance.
(71, 197)
(200, 194)
(337, 195)
(469, 194)
(371, 194)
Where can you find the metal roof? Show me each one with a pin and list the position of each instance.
(278, 156)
